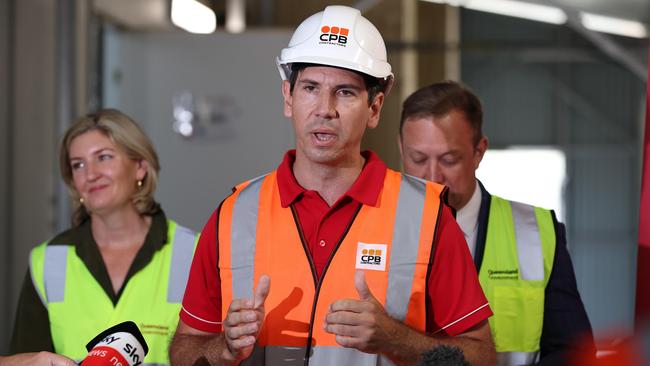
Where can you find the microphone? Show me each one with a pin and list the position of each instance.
(443, 355)
(121, 344)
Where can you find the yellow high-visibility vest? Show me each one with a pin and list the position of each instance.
(517, 264)
(79, 308)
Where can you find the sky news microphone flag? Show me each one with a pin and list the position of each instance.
(121, 344)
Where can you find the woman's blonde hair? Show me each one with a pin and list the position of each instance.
(126, 135)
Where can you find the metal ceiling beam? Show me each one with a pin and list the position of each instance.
(605, 43)
(365, 5)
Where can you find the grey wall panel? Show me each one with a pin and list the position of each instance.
(605, 103)
(601, 192)
(6, 14)
(32, 170)
(606, 280)
(240, 71)
(517, 100)
(604, 206)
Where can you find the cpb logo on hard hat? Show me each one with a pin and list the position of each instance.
(334, 35)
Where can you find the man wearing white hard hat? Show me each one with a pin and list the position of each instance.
(332, 259)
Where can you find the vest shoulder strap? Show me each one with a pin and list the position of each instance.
(534, 236)
(48, 265)
(183, 245)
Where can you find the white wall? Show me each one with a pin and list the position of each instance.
(144, 71)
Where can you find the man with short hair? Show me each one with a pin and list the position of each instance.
(332, 259)
(519, 250)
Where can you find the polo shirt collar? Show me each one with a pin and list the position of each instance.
(365, 189)
(83, 239)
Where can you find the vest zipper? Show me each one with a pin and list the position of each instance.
(318, 282)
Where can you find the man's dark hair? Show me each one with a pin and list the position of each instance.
(439, 99)
(373, 85)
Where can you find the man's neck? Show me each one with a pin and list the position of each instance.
(331, 181)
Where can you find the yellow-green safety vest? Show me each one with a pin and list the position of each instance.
(79, 308)
(517, 263)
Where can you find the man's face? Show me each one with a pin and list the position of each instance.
(330, 113)
(441, 149)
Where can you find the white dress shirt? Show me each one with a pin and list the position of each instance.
(467, 218)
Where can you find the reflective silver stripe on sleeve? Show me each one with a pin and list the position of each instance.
(529, 243)
(404, 250)
(517, 358)
(181, 261)
(31, 274)
(54, 271)
(243, 233)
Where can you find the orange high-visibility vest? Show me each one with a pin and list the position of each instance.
(392, 242)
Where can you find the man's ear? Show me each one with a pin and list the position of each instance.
(375, 110)
(288, 101)
(481, 147)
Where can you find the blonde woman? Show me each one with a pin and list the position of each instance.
(122, 259)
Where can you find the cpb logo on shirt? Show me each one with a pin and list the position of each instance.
(371, 256)
(334, 35)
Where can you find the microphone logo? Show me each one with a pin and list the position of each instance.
(121, 345)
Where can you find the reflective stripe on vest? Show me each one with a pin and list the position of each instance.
(54, 270)
(407, 230)
(517, 358)
(517, 262)
(529, 244)
(320, 355)
(244, 229)
(179, 270)
(151, 297)
(404, 276)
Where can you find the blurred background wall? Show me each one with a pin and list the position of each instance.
(544, 86)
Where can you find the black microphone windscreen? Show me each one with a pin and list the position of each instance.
(443, 355)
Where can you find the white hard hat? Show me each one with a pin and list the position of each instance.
(338, 36)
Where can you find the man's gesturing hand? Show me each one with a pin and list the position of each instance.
(244, 321)
(362, 324)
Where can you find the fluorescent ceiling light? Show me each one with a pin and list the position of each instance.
(554, 15)
(519, 9)
(193, 16)
(618, 26)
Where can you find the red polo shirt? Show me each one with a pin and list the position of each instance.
(455, 301)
